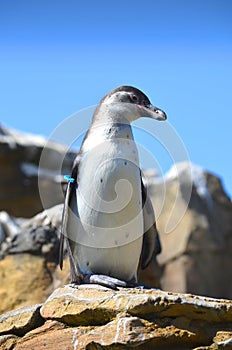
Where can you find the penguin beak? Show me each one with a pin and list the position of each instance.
(150, 111)
(156, 113)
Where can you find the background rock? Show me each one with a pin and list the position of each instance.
(196, 255)
(21, 321)
(28, 268)
(20, 156)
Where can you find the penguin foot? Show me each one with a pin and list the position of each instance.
(105, 281)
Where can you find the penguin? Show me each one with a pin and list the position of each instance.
(108, 221)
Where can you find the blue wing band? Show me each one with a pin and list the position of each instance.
(69, 179)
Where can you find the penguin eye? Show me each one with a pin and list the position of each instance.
(134, 98)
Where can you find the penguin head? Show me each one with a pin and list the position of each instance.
(132, 103)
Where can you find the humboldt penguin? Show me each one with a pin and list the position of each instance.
(108, 221)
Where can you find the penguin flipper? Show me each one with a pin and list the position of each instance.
(68, 196)
(63, 232)
(151, 241)
(75, 273)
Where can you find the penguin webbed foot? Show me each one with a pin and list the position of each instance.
(105, 281)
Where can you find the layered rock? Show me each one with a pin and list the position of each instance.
(93, 317)
(28, 268)
(20, 163)
(196, 232)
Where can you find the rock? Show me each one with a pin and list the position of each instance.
(94, 317)
(80, 306)
(39, 236)
(20, 161)
(8, 341)
(222, 340)
(80, 300)
(30, 260)
(26, 277)
(21, 321)
(52, 335)
(122, 333)
(194, 218)
(9, 227)
(41, 334)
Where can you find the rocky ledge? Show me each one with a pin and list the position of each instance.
(94, 317)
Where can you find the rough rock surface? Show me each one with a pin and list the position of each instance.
(28, 268)
(20, 158)
(21, 321)
(196, 255)
(94, 317)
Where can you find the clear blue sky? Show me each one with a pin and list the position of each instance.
(57, 57)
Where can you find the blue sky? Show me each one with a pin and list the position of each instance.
(57, 57)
